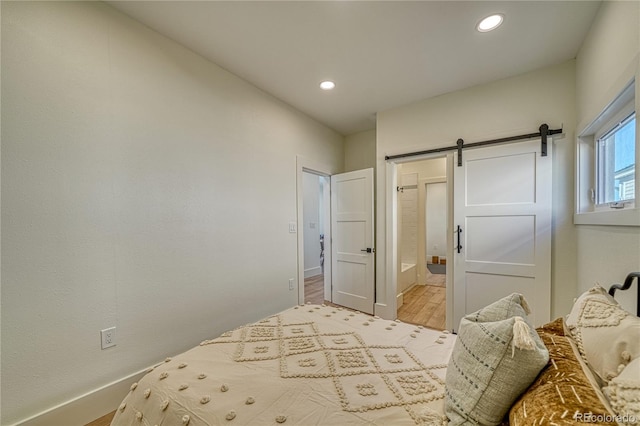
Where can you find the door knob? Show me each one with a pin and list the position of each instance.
(369, 250)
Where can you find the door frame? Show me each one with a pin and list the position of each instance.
(310, 166)
(391, 253)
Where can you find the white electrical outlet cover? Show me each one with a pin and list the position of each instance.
(108, 337)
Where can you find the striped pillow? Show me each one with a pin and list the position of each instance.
(497, 355)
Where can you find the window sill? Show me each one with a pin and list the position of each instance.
(630, 217)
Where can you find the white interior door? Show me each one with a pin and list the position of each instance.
(502, 204)
(353, 254)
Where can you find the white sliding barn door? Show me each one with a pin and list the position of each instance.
(353, 255)
(502, 204)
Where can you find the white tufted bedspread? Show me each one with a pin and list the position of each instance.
(308, 365)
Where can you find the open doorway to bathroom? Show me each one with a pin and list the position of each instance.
(315, 206)
(422, 242)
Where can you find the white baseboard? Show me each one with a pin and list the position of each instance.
(312, 272)
(85, 408)
(410, 287)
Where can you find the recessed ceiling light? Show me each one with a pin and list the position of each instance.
(327, 85)
(490, 23)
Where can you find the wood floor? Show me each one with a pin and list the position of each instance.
(425, 304)
(314, 290)
(439, 280)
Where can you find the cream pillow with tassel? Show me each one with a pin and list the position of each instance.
(607, 336)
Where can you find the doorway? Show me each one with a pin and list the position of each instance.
(347, 256)
(422, 217)
(315, 200)
(313, 171)
(502, 235)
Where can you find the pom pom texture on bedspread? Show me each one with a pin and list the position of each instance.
(307, 365)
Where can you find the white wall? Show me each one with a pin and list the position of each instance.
(407, 217)
(142, 187)
(503, 108)
(436, 218)
(360, 151)
(606, 62)
(312, 226)
(426, 169)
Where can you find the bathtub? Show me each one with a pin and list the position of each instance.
(408, 276)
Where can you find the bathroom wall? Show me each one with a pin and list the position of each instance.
(408, 217)
(436, 220)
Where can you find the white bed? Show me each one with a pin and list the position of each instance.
(307, 365)
(322, 365)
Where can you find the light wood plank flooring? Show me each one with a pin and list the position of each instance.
(424, 305)
(439, 280)
(314, 290)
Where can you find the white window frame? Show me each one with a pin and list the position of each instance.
(624, 114)
(587, 212)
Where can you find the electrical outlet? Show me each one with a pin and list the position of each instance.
(108, 336)
(290, 283)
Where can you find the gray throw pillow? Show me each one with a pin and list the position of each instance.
(496, 357)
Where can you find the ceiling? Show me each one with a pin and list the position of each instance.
(381, 54)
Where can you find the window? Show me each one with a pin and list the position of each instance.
(616, 164)
(606, 177)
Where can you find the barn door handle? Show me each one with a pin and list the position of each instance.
(369, 250)
(459, 231)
